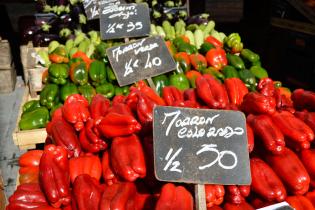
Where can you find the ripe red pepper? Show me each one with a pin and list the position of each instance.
(183, 60)
(99, 106)
(266, 87)
(87, 164)
(292, 127)
(307, 117)
(257, 103)
(119, 196)
(108, 174)
(250, 137)
(267, 131)
(283, 101)
(145, 89)
(174, 197)
(64, 135)
(214, 208)
(243, 206)
(299, 202)
(236, 90)
(116, 124)
(127, 157)
(198, 61)
(215, 42)
(216, 57)
(76, 113)
(192, 76)
(29, 196)
(214, 194)
(90, 139)
(257, 202)
(54, 175)
(212, 92)
(87, 192)
(236, 194)
(29, 169)
(290, 170)
(303, 99)
(265, 182)
(307, 157)
(311, 196)
(171, 94)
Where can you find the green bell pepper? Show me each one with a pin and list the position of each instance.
(160, 82)
(30, 106)
(205, 47)
(97, 71)
(235, 61)
(248, 78)
(180, 81)
(110, 74)
(108, 90)
(58, 73)
(259, 72)
(79, 73)
(230, 72)
(49, 96)
(87, 91)
(68, 89)
(121, 90)
(214, 72)
(186, 47)
(34, 119)
(249, 56)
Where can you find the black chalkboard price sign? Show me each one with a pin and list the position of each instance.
(124, 20)
(201, 146)
(91, 9)
(140, 59)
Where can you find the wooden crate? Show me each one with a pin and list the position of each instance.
(3, 199)
(5, 55)
(27, 139)
(8, 80)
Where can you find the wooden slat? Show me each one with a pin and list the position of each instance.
(308, 12)
(294, 25)
(200, 197)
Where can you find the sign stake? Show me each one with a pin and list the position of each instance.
(200, 197)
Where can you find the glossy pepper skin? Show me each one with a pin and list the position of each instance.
(29, 196)
(99, 106)
(183, 60)
(307, 117)
(198, 61)
(180, 81)
(171, 94)
(58, 73)
(79, 73)
(30, 106)
(290, 170)
(160, 82)
(174, 197)
(214, 194)
(236, 194)
(107, 90)
(29, 166)
(54, 175)
(303, 99)
(37, 118)
(250, 137)
(87, 164)
(108, 174)
(215, 42)
(268, 132)
(233, 43)
(307, 157)
(64, 135)
(299, 202)
(256, 103)
(235, 61)
(119, 196)
(249, 56)
(145, 89)
(216, 57)
(192, 76)
(87, 192)
(243, 206)
(311, 196)
(265, 182)
(59, 55)
(236, 90)
(87, 91)
(214, 72)
(212, 92)
(292, 127)
(67, 90)
(82, 56)
(127, 158)
(266, 87)
(97, 72)
(49, 95)
(75, 111)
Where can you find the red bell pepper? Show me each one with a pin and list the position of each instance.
(266, 87)
(145, 89)
(212, 92)
(183, 59)
(216, 57)
(283, 101)
(198, 61)
(214, 208)
(236, 194)
(127, 157)
(307, 117)
(64, 135)
(29, 169)
(307, 157)
(236, 90)
(250, 137)
(29, 196)
(119, 196)
(292, 127)
(174, 197)
(54, 175)
(290, 170)
(257, 103)
(257, 202)
(171, 48)
(77, 98)
(87, 164)
(265, 181)
(108, 174)
(299, 202)
(192, 76)
(87, 192)
(214, 194)
(119, 99)
(90, 138)
(215, 42)
(171, 94)
(243, 206)
(267, 131)
(303, 99)
(76, 113)
(99, 106)
(311, 196)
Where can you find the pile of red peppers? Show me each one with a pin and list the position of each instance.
(100, 155)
